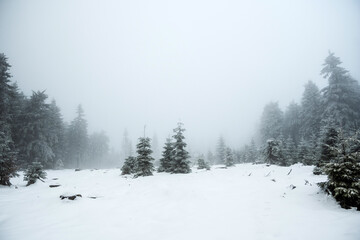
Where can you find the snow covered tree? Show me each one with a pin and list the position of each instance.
(311, 111)
(273, 153)
(220, 151)
(77, 138)
(98, 148)
(289, 151)
(291, 124)
(129, 166)
(329, 142)
(35, 145)
(144, 165)
(251, 152)
(210, 158)
(341, 98)
(344, 175)
(181, 164)
(202, 164)
(271, 122)
(33, 173)
(166, 162)
(7, 156)
(56, 134)
(229, 158)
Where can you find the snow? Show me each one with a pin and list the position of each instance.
(217, 204)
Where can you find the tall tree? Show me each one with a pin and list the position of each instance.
(36, 132)
(311, 111)
(181, 164)
(8, 154)
(341, 97)
(98, 148)
(271, 122)
(77, 139)
(220, 151)
(291, 125)
(144, 161)
(229, 158)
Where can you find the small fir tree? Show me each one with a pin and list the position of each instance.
(166, 161)
(344, 175)
(144, 166)
(229, 158)
(33, 173)
(180, 161)
(129, 166)
(272, 152)
(202, 164)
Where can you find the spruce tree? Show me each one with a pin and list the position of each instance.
(202, 164)
(144, 165)
(181, 164)
(7, 156)
(37, 137)
(220, 151)
(77, 139)
(289, 152)
(229, 158)
(166, 162)
(33, 173)
(291, 124)
(272, 153)
(344, 175)
(271, 122)
(341, 97)
(311, 111)
(129, 166)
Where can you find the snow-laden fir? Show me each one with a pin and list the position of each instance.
(242, 202)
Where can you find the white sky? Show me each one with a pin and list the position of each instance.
(212, 64)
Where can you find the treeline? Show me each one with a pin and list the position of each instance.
(308, 131)
(33, 130)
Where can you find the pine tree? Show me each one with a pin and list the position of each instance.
(271, 122)
(344, 175)
(7, 156)
(77, 138)
(144, 165)
(289, 152)
(56, 134)
(341, 97)
(291, 124)
(33, 173)
(129, 166)
(220, 151)
(36, 141)
(229, 158)
(202, 164)
(329, 142)
(251, 152)
(166, 162)
(272, 153)
(98, 148)
(303, 152)
(311, 111)
(180, 160)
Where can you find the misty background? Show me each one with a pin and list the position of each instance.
(211, 64)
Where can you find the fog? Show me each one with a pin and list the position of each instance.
(211, 64)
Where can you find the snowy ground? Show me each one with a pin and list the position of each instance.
(218, 204)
